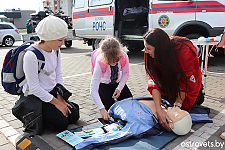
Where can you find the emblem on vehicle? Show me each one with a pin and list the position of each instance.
(163, 21)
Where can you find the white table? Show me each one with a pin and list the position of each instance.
(205, 54)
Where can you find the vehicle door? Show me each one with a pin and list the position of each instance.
(170, 14)
(99, 19)
(79, 13)
(1, 33)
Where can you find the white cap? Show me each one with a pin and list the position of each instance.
(183, 126)
(51, 28)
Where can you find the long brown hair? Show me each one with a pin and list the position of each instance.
(163, 68)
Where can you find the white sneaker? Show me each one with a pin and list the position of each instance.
(222, 135)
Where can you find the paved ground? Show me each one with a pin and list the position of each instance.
(77, 77)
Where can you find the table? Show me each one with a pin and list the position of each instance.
(205, 55)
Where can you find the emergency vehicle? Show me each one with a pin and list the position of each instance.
(130, 19)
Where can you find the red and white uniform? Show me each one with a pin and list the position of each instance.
(191, 81)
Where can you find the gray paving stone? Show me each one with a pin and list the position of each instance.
(3, 140)
(3, 124)
(16, 123)
(8, 131)
(4, 111)
(9, 106)
(8, 146)
(9, 117)
(1, 106)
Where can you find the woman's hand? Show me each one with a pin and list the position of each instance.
(105, 114)
(164, 119)
(60, 98)
(162, 116)
(61, 105)
(64, 108)
(116, 94)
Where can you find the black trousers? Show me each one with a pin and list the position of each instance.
(55, 120)
(106, 92)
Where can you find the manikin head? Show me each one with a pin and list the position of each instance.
(181, 120)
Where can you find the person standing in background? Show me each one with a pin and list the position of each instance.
(29, 26)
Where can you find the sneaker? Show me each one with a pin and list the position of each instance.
(222, 135)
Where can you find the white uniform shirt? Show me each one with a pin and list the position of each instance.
(40, 84)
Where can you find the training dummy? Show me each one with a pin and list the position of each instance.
(141, 119)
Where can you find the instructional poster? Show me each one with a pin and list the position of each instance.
(69, 137)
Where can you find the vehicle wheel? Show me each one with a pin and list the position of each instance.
(135, 46)
(95, 44)
(193, 36)
(8, 41)
(68, 43)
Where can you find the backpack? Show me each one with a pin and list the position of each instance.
(103, 66)
(12, 75)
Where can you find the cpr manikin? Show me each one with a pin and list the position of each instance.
(141, 119)
(181, 119)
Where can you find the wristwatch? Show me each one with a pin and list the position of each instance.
(177, 104)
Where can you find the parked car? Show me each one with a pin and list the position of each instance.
(8, 34)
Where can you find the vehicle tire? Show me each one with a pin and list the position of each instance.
(135, 46)
(95, 44)
(68, 43)
(193, 36)
(8, 41)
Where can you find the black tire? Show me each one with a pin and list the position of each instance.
(95, 44)
(135, 46)
(8, 41)
(68, 43)
(193, 36)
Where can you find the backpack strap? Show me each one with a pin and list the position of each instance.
(40, 57)
(123, 60)
(94, 57)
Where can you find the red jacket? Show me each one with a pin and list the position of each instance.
(188, 60)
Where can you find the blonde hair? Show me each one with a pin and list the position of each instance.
(111, 49)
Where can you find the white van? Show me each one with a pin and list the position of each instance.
(130, 19)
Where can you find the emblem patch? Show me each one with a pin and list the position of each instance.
(163, 21)
(139, 113)
(192, 78)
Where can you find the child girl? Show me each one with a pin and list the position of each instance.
(57, 112)
(111, 84)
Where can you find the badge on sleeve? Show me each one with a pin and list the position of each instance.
(192, 78)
